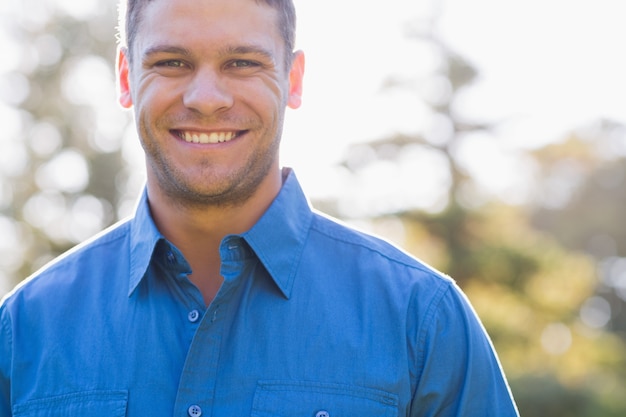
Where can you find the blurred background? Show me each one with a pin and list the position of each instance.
(487, 137)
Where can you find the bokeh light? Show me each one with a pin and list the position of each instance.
(428, 123)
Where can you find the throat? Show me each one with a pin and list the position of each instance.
(208, 285)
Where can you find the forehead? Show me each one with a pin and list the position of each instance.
(209, 23)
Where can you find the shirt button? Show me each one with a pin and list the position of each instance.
(322, 414)
(193, 316)
(171, 258)
(215, 314)
(194, 411)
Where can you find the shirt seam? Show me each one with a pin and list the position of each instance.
(416, 265)
(425, 328)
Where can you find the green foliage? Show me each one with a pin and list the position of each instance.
(527, 283)
(596, 162)
(63, 175)
(528, 290)
(545, 396)
(527, 270)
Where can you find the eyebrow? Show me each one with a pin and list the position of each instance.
(250, 49)
(169, 49)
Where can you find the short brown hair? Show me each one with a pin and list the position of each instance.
(130, 19)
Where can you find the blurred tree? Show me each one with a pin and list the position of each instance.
(63, 177)
(526, 286)
(62, 172)
(544, 396)
(583, 183)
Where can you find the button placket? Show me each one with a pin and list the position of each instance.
(206, 343)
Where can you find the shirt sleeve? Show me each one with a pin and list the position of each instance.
(458, 371)
(5, 363)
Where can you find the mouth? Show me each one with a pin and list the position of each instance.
(207, 138)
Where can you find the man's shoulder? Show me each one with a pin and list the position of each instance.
(369, 249)
(107, 243)
(84, 258)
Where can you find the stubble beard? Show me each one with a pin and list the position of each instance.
(185, 190)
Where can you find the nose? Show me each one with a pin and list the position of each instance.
(208, 93)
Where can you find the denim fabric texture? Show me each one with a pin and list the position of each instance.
(313, 319)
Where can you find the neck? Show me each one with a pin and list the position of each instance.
(197, 231)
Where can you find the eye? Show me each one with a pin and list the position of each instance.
(243, 64)
(171, 67)
(171, 63)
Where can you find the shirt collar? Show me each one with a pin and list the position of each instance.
(277, 239)
(144, 237)
(279, 236)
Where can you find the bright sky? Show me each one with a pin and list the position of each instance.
(546, 67)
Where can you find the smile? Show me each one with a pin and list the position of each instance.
(213, 137)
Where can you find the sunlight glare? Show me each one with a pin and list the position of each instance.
(49, 50)
(89, 80)
(420, 178)
(68, 171)
(556, 339)
(11, 245)
(596, 312)
(14, 88)
(80, 10)
(11, 52)
(13, 159)
(45, 139)
(501, 171)
(88, 215)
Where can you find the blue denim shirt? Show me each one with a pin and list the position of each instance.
(313, 319)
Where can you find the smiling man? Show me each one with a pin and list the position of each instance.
(209, 82)
(226, 294)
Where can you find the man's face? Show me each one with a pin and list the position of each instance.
(209, 86)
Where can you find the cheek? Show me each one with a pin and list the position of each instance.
(155, 92)
(269, 90)
(270, 105)
(154, 109)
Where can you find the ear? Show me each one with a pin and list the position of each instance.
(296, 74)
(125, 98)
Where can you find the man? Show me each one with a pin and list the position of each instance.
(225, 295)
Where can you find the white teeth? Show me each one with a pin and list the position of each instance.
(213, 137)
